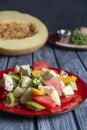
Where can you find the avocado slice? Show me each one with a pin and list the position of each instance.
(34, 106)
(10, 98)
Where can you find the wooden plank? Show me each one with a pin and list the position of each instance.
(61, 122)
(19, 60)
(3, 62)
(83, 57)
(12, 61)
(81, 115)
(13, 122)
(47, 53)
(56, 58)
(69, 60)
(8, 121)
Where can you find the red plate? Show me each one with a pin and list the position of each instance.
(67, 103)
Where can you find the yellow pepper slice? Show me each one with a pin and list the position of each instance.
(37, 72)
(68, 79)
(36, 92)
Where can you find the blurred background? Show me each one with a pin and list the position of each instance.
(56, 14)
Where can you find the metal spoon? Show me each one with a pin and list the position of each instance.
(53, 37)
(64, 32)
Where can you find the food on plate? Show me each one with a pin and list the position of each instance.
(79, 36)
(37, 65)
(37, 88)
(21, 33)
(34, 106)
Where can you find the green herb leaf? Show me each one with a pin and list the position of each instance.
(78, 38)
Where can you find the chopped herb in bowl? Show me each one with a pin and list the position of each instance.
(78, 38)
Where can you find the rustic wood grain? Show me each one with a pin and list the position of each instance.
(69, 60)
(55, 15)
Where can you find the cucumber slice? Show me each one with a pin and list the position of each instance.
(10, 98)
(26, 81)
(27, 96)
(34, 106)
(18, 92)
(14, 77)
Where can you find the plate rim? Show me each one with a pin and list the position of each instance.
(71, 45)
(46, 114)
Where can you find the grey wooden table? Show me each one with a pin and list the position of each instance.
(71, 60)
(56, 15)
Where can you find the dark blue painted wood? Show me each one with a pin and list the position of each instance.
(66, 59)
(56, 15)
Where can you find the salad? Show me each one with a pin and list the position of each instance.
(37, 87)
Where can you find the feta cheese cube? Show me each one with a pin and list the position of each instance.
(67, 90)
(53, 73)
(51, 91)
(17, 69)
(63, 73)
(8, 82)
(25, 70)
(49, 74)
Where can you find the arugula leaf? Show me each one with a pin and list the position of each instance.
(78, 38)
